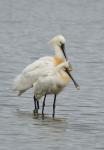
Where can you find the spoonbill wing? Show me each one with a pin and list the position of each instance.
(32, 72)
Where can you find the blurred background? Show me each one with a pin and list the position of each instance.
(26, 26)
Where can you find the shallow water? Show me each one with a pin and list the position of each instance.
(25, 28)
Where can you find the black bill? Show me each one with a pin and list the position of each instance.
(68, 72)
(75, 83)
(63, 49)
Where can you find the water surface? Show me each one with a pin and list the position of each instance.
(25, 28)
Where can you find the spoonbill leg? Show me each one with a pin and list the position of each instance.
(43, 107)
(54, 104)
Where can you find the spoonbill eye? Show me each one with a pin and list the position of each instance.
(61, 43)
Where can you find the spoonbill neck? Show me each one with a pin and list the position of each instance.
(59, 53)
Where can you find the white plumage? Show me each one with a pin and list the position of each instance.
(47, 75)
(32, 72)
(53, 81)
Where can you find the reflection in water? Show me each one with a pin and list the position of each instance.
(49, 122)
(48, 130)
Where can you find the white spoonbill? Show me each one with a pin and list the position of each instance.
(52, 82)
(32, 72)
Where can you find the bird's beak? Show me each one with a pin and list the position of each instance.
(68, 72)
(63, 49)
(75, 83)
(70, 66)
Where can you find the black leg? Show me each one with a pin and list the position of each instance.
(54, 106)
(43, 107)
(35, 105)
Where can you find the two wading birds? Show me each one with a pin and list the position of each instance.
(47, 75)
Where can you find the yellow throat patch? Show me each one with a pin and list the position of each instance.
(57, 60)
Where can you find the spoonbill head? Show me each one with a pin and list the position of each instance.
(57, 40)
(58, 43)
